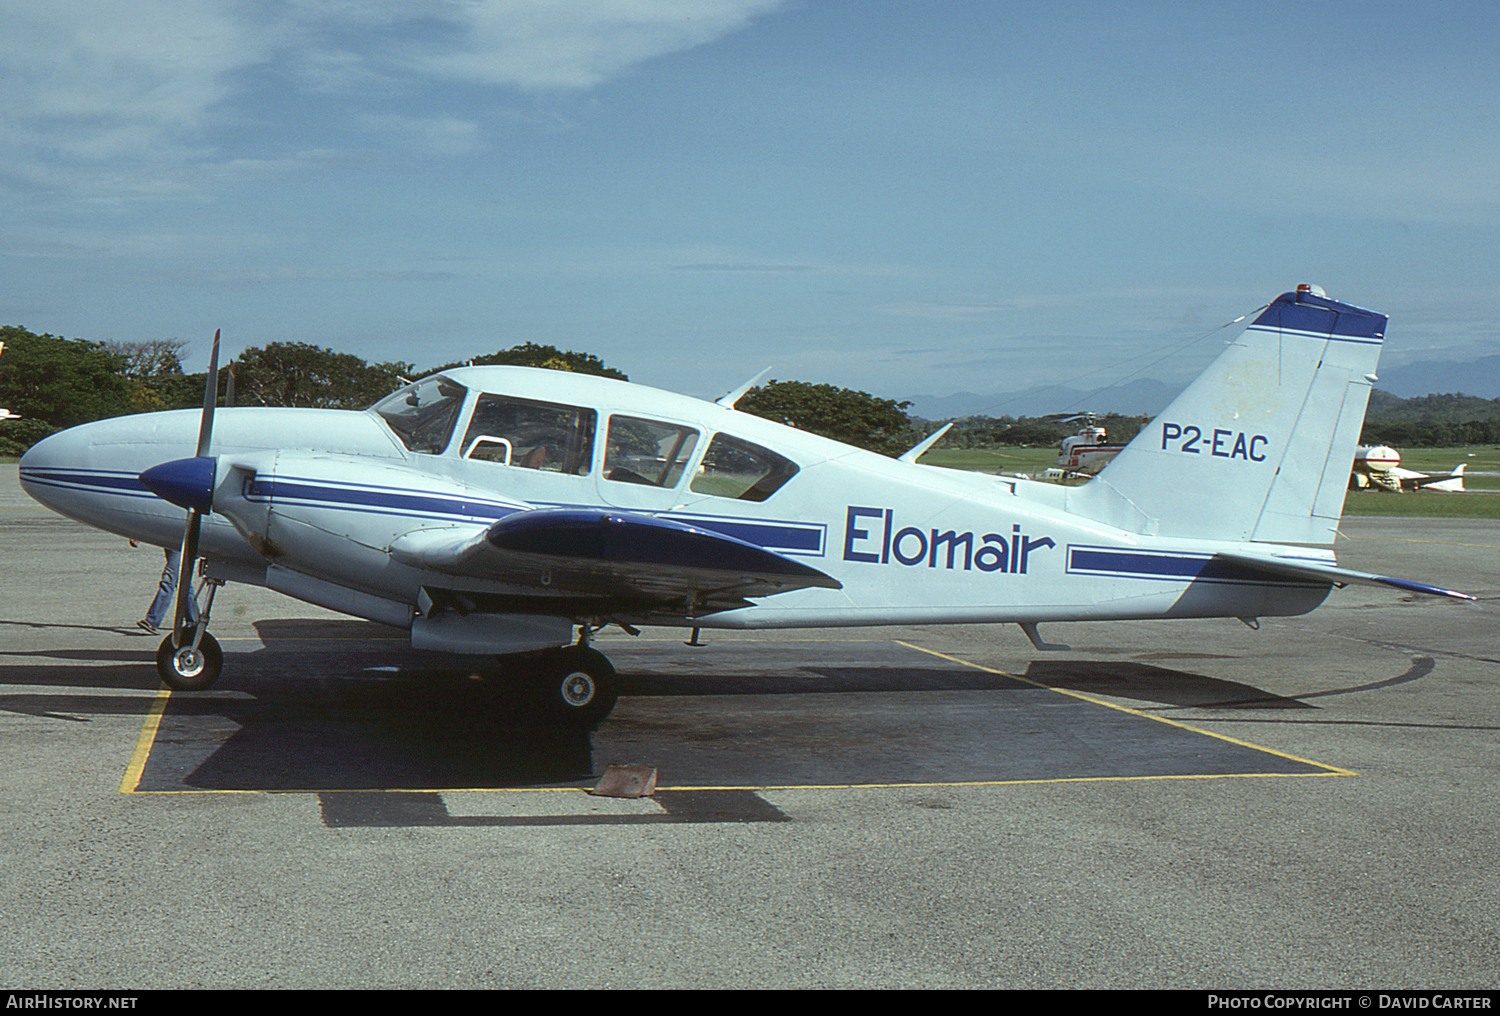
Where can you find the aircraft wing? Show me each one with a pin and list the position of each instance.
(1317, 571)
(591, 560)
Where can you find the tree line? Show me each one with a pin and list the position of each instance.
(54, 383)
(1033, 431)
(1431, 421)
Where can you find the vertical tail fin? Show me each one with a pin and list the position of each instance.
(1260, 446)
(1454, 482)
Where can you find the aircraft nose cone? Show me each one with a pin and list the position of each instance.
(187, 483)
(50, 470)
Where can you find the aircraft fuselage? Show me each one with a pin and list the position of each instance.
(320, 503)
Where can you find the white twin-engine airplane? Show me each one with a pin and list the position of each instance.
(499, 510)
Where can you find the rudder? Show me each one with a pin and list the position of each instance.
(1260, 446)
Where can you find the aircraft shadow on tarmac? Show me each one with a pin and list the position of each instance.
(321, 708)
(1148, 683)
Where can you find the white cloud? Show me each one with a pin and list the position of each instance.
(140, 87)
(547, 44)
(98, 79)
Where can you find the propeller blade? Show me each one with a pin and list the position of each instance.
(185, 566)
(210, 397)
(190, 533)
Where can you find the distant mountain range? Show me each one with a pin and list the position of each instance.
(1480, 378)
(1138, 398)
(1145, 397)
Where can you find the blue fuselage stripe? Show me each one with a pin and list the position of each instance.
(377, 500)
(94, 480)
(1168, 567)
(809, 538)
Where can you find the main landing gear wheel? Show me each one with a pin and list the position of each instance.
(187, 669)
(578, 686)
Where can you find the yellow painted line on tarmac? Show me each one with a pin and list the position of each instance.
(1328, 771)
(1332, 770)
(153, 720)
(1021, 783)
(152, 724)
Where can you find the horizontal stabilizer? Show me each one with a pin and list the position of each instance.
(1316, 570)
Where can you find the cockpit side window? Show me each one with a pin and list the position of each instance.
(647, 452)
(531, 435)
(735, 468)
(423, 414)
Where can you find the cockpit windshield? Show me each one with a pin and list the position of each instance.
(423, 414)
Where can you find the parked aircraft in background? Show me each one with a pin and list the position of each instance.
(6, 414)
(1083, 454)
(515, 512)
(1378, 467)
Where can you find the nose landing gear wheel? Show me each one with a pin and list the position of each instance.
(187, 669)
(578, 686)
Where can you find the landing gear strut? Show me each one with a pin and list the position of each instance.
(190, 659)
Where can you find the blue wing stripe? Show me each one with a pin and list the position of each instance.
(1422, 587)
(617, 538)
(792, 538)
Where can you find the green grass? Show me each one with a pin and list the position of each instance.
(1431, 504)
(992, 460)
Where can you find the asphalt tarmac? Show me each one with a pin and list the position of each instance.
(1168, 804)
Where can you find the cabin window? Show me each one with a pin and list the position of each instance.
(647, 452)
(423, 414)
(530, 435)
(738, 469)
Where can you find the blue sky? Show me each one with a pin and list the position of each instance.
(898, 197)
